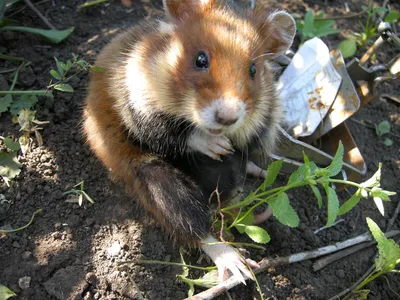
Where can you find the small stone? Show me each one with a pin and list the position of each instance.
(91, 278)
(16, 245)
(24, 282)
(340, 273)
(114, 249)
(26, 255)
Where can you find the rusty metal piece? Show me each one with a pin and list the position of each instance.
(345, 104)
(291, 150)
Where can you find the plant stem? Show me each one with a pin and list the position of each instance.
(19, 93)
(161, 262)
(7, 57)
(345, 182)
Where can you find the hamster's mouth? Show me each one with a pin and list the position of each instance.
(215, 131)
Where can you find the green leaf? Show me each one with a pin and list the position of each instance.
(60, 69)
(382, 128)
(272, 172)
(25, 101)
(10, 167)
(348, 48)
(55, 74)
(379, 10)
(389, 251)
(283, 211)
(298, 175)
(97, 69)
(333, 205)
(63, 87)
(379, 205)
(5, 103)
(317, 195)
(88, 197)
(6, 293)
(53, 36)
(374, 180)
(388, 142)
(392, 16)
(258, 234)
(10, 144)
(350, 203)
(308, 29)
(337, 162)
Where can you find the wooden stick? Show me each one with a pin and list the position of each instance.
(266, 263)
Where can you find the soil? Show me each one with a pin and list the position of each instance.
(71, 251)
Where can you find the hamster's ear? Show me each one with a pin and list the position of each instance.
(280, 29)
(179, 9)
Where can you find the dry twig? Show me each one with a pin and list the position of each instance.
(43, 18)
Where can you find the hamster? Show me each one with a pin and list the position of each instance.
(183, 106)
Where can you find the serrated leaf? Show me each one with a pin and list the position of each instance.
(348, 48)
(337, 162)
(283, 211)
(333, 205)
(6, 293)
(53, 36)
(25, 101)
(10, 144)
(308, 29)
(297, 175)
(317, 194)
(389, 251)
(55, 74)
(257, 234)
(64, 87)
(388, 142)
(392, 16)
(382, 128)
(272, 172)
(5, 103)
(350, 203)
(10, 167)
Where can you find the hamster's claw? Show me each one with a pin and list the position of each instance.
(211, 145)
(253, 169)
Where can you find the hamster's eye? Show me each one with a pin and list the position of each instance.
(253, 70)
(201, 60)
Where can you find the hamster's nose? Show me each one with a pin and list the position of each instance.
(225, 120)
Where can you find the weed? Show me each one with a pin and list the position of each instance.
(308, 174)
(6, 293)
(3, 232)
(384, 128)
(388, 259)
(53, 36)
(10, 167)
(63, 73)
(369, 30)
(80, 192)
(312, 26)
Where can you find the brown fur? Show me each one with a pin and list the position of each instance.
(162, 57)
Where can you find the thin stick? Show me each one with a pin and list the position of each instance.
(43, 18)
(323, 262)
(394, 217)
(266, 263)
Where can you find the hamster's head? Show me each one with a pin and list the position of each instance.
(219, 78)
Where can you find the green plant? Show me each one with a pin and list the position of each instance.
(315, 26)
(388, 259)
(10, 167)
(53, 36)
(3, 232)
(80, 192)
(63, 73)
(369, 29)
(242, 213)
(6, 293)
(384, 128)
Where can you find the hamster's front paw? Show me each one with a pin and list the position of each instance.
(227, 259)
(211, 145)
(253, 169)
